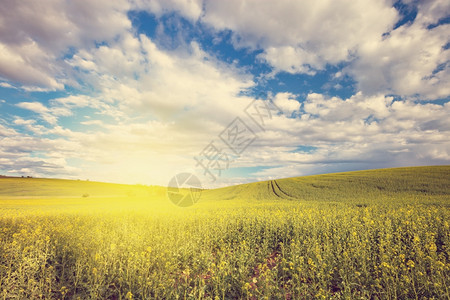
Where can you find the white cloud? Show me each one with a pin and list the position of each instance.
(306, 36)
(6, 85)
(430, 12)
(406, 62)
(93, 122)
(18, 155)
(154, 109)
(45, 32)
(302, 36)
(190, 9)
(134, 75)
(30, 125)
(6, 131)
(355, 133)
(297, 37)
(36, 107)
(49, 115)
(293, 60)
(34, 36)
(287, 103)
(166, 107)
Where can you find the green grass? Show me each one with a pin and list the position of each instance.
(414, 183)
(422, 184)
(12, 187)
(378, 234)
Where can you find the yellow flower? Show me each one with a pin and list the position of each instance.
(432, 247)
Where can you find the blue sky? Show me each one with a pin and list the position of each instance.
(138, 91)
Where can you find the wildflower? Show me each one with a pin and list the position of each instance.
(432, 247)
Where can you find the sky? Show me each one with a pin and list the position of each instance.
(236, 91)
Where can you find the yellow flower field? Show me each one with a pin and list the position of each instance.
(390, 242)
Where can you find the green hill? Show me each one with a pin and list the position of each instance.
(16, 192)
(43, 187)
(358, 186)
(376, 234)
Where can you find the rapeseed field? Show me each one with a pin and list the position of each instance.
(381, 234)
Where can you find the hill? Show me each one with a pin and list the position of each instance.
(411, 183)
(43, 187)
(17, 192)
(369, 185)
(377, 234)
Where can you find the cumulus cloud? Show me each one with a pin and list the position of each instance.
(165, 106)
(50, 116)
(346, 134)
(35, 36)
(303, 36)
(306, 36)
(27, 154)
(135, 75)
(150, 110)
(6, 85)
(6, 131)
(410, 60)
(296, 37)
(190, 9)
(287, 103)
(339, 134)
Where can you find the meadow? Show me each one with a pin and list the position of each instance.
(377, 234)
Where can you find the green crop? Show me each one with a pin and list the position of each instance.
(381, 234)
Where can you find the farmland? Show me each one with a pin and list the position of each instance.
(380, 234)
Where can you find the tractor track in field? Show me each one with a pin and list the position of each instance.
(275, 188)
(271, 187)
(281, 190)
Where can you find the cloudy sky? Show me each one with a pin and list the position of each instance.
(235, 91)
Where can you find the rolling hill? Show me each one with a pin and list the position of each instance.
(411, 183)
(358, 186)
(376, 234)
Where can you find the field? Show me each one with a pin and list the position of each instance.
(378, 234)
